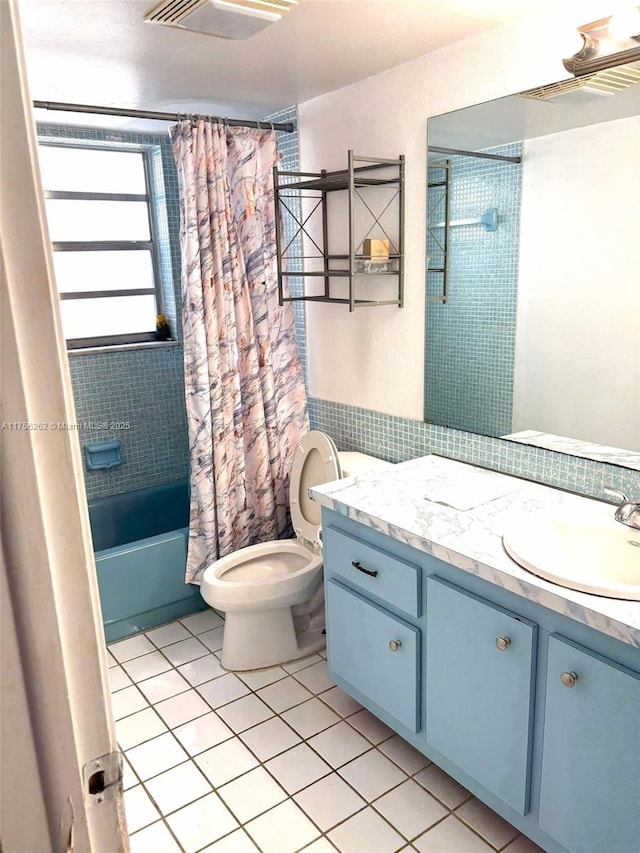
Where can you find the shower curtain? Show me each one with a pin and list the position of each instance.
(245, 396)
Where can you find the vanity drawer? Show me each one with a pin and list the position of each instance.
(375, 652)
(372, 570)
(479, 690)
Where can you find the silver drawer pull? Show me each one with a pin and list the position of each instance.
(503, 643)
(394, 645)
(356, 565)
(569, 679)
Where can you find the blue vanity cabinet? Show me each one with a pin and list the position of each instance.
(483, 682)
(375, 652)
(480, 668)
(590, 786)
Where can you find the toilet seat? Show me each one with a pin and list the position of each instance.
(315, 463)
(245, 581)
(284, 570)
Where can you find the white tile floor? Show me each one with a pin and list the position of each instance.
(278, 760)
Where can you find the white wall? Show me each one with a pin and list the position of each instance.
(578, 328)
(374, 357)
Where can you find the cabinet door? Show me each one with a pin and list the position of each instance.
(479, 686)
(590, 793)
(375, 652)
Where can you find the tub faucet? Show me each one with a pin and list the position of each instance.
(628, 511)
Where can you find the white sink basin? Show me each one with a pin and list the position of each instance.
(590, 552)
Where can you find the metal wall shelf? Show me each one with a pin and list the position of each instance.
(438, 205)
(355, 180)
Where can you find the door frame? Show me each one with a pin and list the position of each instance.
(59, 667)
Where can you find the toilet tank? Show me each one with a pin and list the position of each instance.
(355, 464)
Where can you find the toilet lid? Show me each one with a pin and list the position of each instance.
(315, 462)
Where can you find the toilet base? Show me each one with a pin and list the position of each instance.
(265, 638)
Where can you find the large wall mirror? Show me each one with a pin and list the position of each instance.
(533, 279)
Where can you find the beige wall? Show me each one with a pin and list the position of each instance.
(374, 357)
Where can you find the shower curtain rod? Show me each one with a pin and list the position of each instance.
(287, 127)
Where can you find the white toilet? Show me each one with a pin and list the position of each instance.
(272, 593)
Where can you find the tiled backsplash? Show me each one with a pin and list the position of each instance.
(398, 439)
(140, 387)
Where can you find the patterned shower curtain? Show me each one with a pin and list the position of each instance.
(246, 402)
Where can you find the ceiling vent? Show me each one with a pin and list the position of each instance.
(227, 19)
(607, 82)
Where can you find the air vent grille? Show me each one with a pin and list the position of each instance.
(616, 79)
(172, 11)
(543, 93)
(603, 82)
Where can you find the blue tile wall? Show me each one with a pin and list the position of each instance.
(145, 389)
(289, 151)
(470, 339)
(142, 387)
(398, 439)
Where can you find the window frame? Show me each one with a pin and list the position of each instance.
(150, 245)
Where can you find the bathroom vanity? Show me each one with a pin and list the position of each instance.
(525, 692)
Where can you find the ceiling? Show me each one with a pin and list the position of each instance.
(102, 52)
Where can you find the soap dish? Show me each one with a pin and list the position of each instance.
(102, 454)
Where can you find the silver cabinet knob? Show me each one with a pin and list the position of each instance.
(394, 645)
(569, 679)
(503, 643)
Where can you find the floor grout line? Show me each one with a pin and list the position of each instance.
(261, 762)
(475, 831)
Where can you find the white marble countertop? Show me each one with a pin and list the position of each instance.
(414, 502)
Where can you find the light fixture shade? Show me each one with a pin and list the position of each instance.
(605, 46)
(228, 19)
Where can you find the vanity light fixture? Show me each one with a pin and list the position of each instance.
(228, 19)
(607, 43)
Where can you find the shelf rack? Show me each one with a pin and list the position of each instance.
(361, 174)
(438, 201)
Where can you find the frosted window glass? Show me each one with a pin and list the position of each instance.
(97, 220)
(91, 170)
(87, 271)
(111, 315)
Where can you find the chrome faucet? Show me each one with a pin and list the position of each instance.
(628, 511)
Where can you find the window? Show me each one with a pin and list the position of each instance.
(102, 232)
